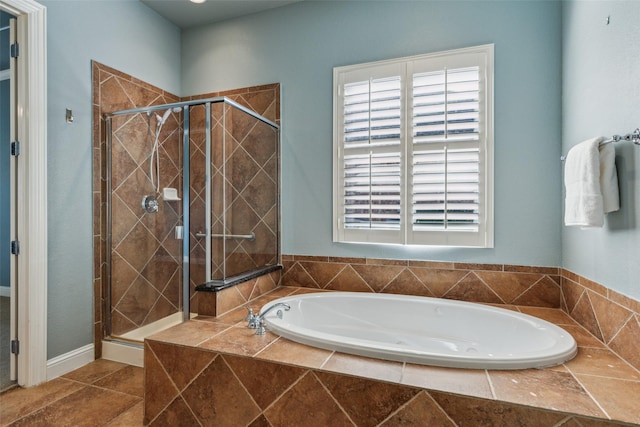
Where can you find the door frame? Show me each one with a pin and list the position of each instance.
(31, 269)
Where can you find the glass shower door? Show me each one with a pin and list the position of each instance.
(251, 180)
(145, 250)
(234, 202)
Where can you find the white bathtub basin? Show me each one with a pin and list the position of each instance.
(429, 331)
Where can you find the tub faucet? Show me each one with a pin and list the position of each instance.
(256, 321)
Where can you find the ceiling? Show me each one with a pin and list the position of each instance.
(186, 14)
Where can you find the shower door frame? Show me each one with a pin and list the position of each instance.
(184, 106)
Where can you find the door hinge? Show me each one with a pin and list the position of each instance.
(15, 50)
(15, 346)
(15, 247)
(15, 148)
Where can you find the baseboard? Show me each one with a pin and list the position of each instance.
(70, 361)
(5, 291)
(130, 354)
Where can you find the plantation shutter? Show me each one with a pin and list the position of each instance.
(414, 147)
(445, 128)
(371, 153)
(370, 141)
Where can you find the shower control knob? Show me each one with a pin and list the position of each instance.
(150, 204)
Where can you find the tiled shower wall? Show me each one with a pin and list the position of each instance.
(146, 258)
(139, 285)
(144, 291)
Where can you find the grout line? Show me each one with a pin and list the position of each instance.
(606, 377)
(212, 336)
(240, 382)
(327, 360)
(624, 324)
(344, 411)
(595, 315)
(488, 286)
(491, 387)
(588, 392)
(401, 271)
(283, 393)
(528, 289)
(41, 408)
(266, 347)
(565, 420)
(400, 408)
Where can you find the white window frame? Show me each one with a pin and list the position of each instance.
(481, 56)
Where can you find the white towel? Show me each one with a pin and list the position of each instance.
(591, 184)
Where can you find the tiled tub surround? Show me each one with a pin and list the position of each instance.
(221, 302)
(488, 283)
(611, 317)
(215, 371)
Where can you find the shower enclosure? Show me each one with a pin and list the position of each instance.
(192, 200)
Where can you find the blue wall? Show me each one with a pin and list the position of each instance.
(299, 45)
(601, 96)
(130, 37)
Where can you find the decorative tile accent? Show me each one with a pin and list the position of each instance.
(611, 317)
(307, 403)
(489, 283)
(487, 413)
(544, 388)
(264, 381)
(217, 398)
(275, 382)
(226, 300)
(615, 396)
(461, 381)
(366, 402)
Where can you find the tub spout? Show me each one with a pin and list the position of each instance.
(256, 321)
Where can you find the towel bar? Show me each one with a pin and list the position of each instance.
(631, 137)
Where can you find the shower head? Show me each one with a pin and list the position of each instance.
(165, 116)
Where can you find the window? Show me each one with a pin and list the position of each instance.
(413, 150)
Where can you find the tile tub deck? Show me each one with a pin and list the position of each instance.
(218, 372)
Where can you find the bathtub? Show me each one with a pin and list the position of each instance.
(428, 331)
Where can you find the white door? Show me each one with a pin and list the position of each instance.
(29, 190)
(8, 351)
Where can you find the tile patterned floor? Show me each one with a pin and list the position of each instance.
(102, 393)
